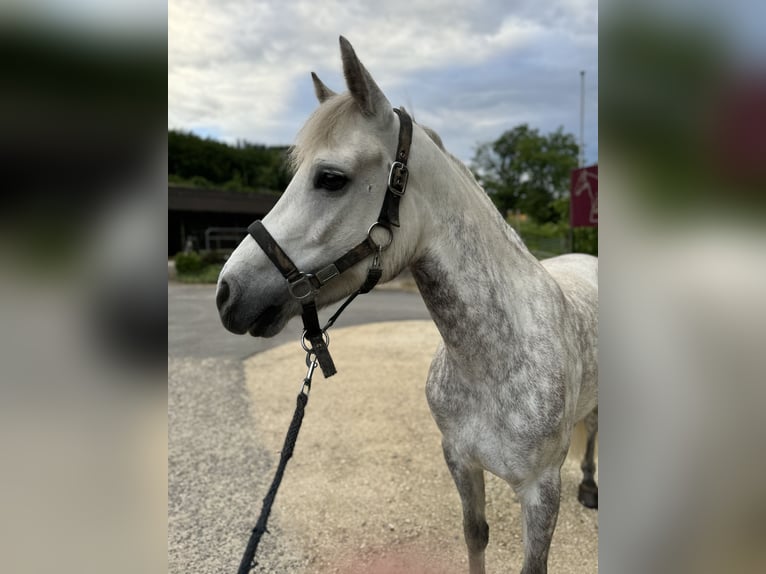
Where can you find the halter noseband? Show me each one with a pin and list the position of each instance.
(305, 286)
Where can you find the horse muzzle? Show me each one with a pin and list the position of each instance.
(240, 316)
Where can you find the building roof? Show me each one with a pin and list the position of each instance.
(218, 200)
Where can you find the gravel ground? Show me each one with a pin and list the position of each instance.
(215, 463)
(367, 489)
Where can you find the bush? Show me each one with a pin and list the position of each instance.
(549, 239)
(189, 263)
(199, 181)
(586, 240)
(208, 274)
(214, 257)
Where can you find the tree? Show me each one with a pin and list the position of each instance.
(212, 163)
(525, 170)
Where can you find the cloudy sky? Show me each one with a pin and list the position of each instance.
(239, 69)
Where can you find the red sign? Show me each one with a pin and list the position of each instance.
(583, 207)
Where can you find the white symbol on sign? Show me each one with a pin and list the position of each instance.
(582, 186)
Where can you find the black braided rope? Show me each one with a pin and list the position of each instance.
(248, 562)
(248, 558)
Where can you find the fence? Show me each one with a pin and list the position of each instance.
(230, 235)
(545, 245)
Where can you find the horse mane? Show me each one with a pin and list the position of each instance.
(459, 164)
(319, 131)
(436, 138)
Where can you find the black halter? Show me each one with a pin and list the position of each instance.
(305, 286)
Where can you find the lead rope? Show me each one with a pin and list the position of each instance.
(303, 287)
(248, 558)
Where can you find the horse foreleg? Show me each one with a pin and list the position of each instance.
(587, 494)
(469, 480)
(540, 509)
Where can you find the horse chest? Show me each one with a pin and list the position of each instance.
(505, 425)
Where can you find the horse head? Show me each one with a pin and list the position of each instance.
(342, 160)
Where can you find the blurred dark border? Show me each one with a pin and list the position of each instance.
(82, 145)
(80, 117)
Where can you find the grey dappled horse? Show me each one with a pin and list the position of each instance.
(517, 366)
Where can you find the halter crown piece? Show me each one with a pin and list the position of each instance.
(304, 287)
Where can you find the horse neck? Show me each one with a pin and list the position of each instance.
(480, 283)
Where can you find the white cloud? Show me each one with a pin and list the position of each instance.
(89, 16)
(240, 68)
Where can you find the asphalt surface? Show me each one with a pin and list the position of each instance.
(194, 329)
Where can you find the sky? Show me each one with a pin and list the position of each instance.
(240, 69)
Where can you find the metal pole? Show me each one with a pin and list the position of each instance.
(580, 155)
(582, 118)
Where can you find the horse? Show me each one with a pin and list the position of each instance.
(517, 365)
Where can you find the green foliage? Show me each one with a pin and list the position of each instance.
(550, 239)
(212, 257)
(543, 239)
(586, 240)
(202, 267)
(209, 163)
(199, 181)
(208, 274)
(526, 171)
(188, 263)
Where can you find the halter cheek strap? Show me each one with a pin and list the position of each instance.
(305, 286)
(397, 177)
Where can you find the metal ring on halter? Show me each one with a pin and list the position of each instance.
(308, 349)
(301, 288)
(380, 246)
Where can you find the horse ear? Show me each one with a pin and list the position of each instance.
(322, 92)
(363, 88)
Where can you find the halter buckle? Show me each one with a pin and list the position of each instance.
(302, 288)
(397, 178)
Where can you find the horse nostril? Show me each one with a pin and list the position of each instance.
(223, 294)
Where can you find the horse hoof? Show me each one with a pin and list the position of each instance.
(587, 494)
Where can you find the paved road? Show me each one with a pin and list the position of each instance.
(194, 329)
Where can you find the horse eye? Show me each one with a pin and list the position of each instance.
(331, 181)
